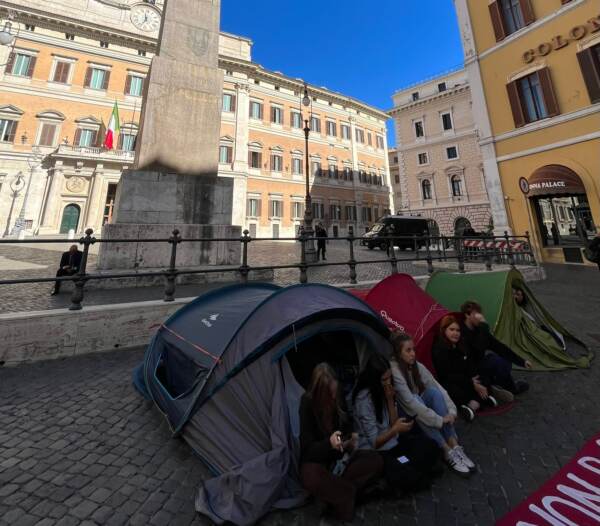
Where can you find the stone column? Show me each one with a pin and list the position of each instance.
(242, 119)
(93, 200)
(51, 204)
(388, 175)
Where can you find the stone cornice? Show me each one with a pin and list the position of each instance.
(428, 100)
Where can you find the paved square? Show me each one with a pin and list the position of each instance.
(79, 446)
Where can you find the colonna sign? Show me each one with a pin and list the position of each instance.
(561, 41)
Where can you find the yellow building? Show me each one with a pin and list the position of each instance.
(534, 69)
(72, 60)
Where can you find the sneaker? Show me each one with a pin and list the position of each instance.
(491, 401)
(456, 464)
(502, 395)
(467, 413)
(521, 387)
(463, 456)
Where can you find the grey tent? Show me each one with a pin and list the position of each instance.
(228, 371)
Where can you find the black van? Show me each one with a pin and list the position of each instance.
(404, 227)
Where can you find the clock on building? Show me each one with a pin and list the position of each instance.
(145, 17)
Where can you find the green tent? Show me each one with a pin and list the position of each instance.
(518, 327)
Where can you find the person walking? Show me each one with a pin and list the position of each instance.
(418, 393)
(321, 234)
(70, 262)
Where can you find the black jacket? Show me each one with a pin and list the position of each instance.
(452, 364)
(479, 340)
(74, 262)
(321, 233)
(314, 442)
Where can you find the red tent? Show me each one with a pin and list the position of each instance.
(404, 305)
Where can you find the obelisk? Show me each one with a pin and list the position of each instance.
(174, 182)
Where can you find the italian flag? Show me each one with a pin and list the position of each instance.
(113, 128)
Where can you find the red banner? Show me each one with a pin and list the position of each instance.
(571, 498)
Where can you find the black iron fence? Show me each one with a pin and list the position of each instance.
(488, 250)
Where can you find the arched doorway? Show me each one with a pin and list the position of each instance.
(561, 208)
(460, 225)
(70, 218)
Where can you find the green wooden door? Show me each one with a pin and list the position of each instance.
(70, 219)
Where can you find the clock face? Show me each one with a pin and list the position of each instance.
(145, 18)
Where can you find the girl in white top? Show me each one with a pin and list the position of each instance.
(419, 394)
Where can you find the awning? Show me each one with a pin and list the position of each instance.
(555, 179)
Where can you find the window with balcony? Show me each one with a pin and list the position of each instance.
(255, 160)
(47, 134)
(426, 189)
(256, 110)
(225, 154)
(62, 71)
(276, 163)
(134, 85)
(8, 129)
(333, 171)
(20, 64)
(508, 16)
(97, 78)
(127, 141)
(347, 173)
(85, 137)
(532, 98)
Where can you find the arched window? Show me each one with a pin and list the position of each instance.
(426, 187)
(456, 182)
(460, 225)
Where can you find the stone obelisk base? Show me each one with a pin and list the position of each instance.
(151, 204)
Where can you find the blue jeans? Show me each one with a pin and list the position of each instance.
(495, 370)
(434, 399)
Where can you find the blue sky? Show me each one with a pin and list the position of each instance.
(364, 49)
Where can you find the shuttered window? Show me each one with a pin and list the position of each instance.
(97, 78)
(253, 207)
(296, 120)
(8, 129)
(225, 154)
(297, 166)
(229, 102)
(61, 72)
(315, 124)
(47, 134)
(276, 163)
(589, 62)
(86, 137)
(532, 98)
(134, 85)
(256, 110)
(255, 159)
(509, 16)
(20, 64)
(276, 115)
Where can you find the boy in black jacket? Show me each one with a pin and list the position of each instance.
(493, 359)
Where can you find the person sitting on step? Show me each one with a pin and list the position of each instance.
(70, 262)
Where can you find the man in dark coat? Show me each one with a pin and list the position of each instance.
(321, 233)
(493, 359)
(69, 265)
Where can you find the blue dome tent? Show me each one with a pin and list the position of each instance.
(228, 370)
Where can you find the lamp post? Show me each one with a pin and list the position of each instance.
(16, 186)
(311, 253)
(33, 160)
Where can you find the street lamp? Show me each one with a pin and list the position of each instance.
(33, 160)
(16, 186)
(310, 252)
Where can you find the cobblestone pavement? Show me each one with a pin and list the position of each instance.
(79, 446)
(36, 296)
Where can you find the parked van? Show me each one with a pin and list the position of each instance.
(404, 227)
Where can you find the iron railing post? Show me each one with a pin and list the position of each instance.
(393, 259)
(303, 266)
(488, 255)
(509, 251)
(530, 248)
(458, 243)
(429, 258)
(171, 273)
(439, 248)
(352, 261)
(244, 268)
(416, 246)
(77, 296)
(444, 247)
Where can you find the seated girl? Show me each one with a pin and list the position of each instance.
(418, 393)
(457, 372)
(331, 467)
(409, 461)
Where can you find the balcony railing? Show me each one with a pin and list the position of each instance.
(509, 250)
(93, 152)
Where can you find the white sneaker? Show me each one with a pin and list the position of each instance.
(467, 413)
(492, 402)
(454, 460)
(463, 456)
